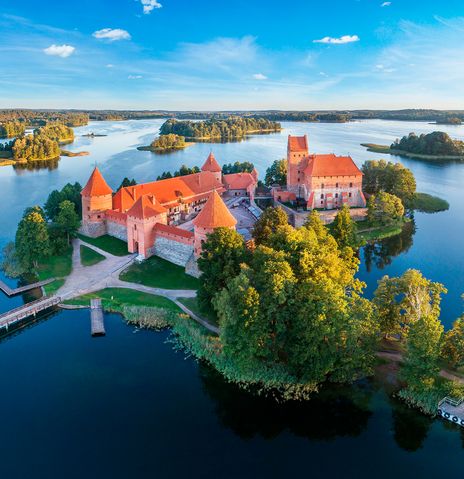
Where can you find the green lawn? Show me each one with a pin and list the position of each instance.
(107, 243)
(368, 232)
(429, 204)
(55, 267)
(192, 304)
(115, 298)
(89, 257)
(159, 273)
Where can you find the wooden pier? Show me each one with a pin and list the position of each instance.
(96, 317)
(452, 409)
(22, 289)
(29, 309)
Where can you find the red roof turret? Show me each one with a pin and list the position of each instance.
(211, 164)
(215, 214)
(96, 186)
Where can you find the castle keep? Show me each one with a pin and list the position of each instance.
(156, 218)
(321, 181)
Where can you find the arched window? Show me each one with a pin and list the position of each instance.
(322, 196)
(336, 185)
(322, 186)
(351, 185)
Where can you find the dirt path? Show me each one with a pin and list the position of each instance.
(398, 357)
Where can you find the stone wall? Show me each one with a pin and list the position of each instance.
(93, 229)
(191, 268)
(170, 250)
(117, 230)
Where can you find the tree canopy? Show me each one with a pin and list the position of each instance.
(267, 223)
(276, 174)
(435, 143)
(168, 141)
(384, 208)
(238, 167)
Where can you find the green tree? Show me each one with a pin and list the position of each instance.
(421, 364)
(314, 221)
(453, 344)
(222, 253)
(344, 229)
(71, 192)
(276, 174)
(126, 182)
(68, 220)
(32, 240)
(267, 223)
(384, 208)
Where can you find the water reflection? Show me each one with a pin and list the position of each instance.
(381, 254)
(37, 165)
(335, 411)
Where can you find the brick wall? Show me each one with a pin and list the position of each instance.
(171, 250)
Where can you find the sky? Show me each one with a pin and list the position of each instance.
(232, 54)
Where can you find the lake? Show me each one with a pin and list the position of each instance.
(127, 405)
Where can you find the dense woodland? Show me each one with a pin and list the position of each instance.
(230, 128)
(56, 131)
(42, 117)
(168, 142)
(35, 147)
(8, 129)
(437, 143)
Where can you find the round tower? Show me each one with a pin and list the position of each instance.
(212, 166)
(97, 197)
(214, 214)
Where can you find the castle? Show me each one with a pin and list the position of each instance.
(320, 181)
(157, 218)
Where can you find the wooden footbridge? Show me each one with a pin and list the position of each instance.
(22, 289)
(29, 309)
(96, 317)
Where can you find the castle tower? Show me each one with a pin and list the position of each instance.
(97, 197)
(213, 166)
(297, 151)
(214, 214)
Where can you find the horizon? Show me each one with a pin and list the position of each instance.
(149, 55)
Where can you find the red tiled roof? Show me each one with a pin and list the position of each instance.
(215, 214)
(331, 165)
(173, 230)
(297, 143)
(146, 207)
(238, 181)
(169, 191)
(211, 164)
(96, 186)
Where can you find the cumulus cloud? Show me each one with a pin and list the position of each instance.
(109, 65)
(112, 34)
(134, 77)
(259, 76)
(150, 5)
(386, 4)
(338, 41)
(62, 51)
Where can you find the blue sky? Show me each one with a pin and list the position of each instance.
(253, 54)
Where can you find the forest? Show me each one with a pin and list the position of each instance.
(230, 128)
(437, 143)
(9, 129)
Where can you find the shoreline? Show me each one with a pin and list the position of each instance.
(384, 149)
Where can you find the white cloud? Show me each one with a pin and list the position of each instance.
(62, 51)
(112, 34)
(338, 41)
(109, 65)
(149, 5)
(259, 76)
(386, 4)
(134, 77)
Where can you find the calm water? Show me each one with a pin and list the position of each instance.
(127, 405)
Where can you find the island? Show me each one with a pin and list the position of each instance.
(433, 146)
(9, 129)
(93, 135)
(449, 121)
(166, 143)
(232, 128)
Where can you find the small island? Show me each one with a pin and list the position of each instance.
(432, 146)
(232, 128)
(166, 143)
(93, 135)
(454, 120)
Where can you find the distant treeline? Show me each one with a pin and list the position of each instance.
(9, 129)
(42, 117)
(229, 128)
(437, 143)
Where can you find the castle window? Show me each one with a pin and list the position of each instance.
(351, 185)
(135, 227)
(336, 185)
(322, 186)
(298, 180)
(349, 194)
(322, 202)
(322, 196)
(336, 195)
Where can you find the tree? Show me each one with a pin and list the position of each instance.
(421, 364)
(237, 167)
(384, 208)
(126, 182)
(314, 221)
(68, 220)
(401, 302)
(267, 223)
(222, 253)
(453, 344)
(71, 192)
(276, 174)
(344, 229)
(32, 241)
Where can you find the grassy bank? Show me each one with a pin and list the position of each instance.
(159, 273)
(429, 204)
(107, 243)
(192, 304)
(113, 299)
(373, 232)
(385, 149)
(58, 267)
(89, 257)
